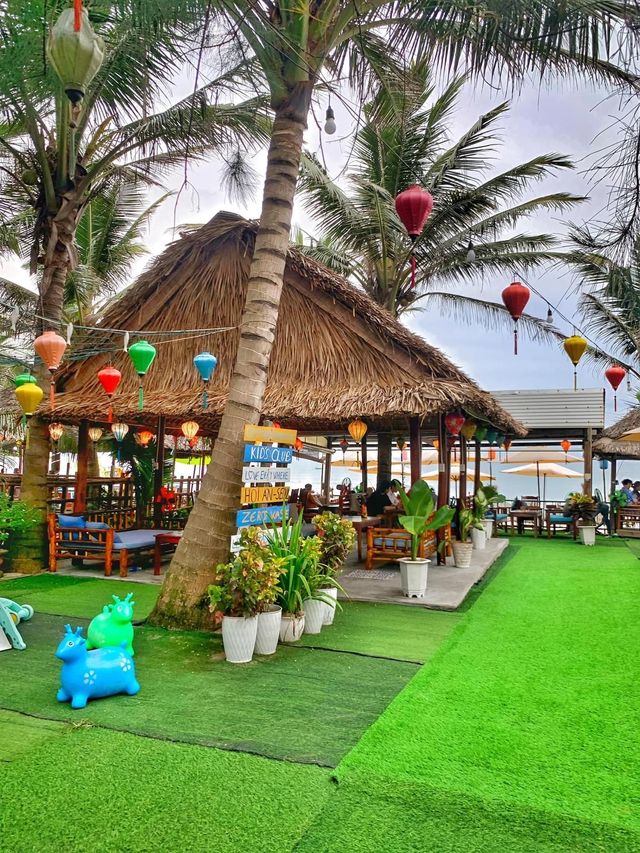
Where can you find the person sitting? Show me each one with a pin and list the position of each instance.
(379, 499)
(627, 489)
(308, 502)
(393, 493)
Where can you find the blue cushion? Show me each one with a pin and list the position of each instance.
(561, 519)
(398, 544)
(134, 539)
(69, 522)
(97, 525)
(500, 516)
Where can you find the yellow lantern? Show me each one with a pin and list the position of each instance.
(357, 430)
(468, 429)
(55, 431)
(29, 396)
(574, 348)
(190, 429)
(95, 433)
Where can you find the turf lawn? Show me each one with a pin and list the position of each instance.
(518, 734)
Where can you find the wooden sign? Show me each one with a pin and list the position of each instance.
(266, 475)
(265, 453)
(312, 455)
(269, 434)
(262, 515)
(263, 494)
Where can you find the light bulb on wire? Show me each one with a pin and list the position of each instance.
(330, 126)
(471, 253)
(549, 316)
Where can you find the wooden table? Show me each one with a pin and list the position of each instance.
(360, 524)
(171, 538)
(532, 514)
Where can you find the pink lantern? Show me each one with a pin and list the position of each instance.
(454, 423)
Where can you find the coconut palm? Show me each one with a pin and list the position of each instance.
(58, 157)
(296, 45)
(470, 231)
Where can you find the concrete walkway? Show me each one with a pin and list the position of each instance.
(447, 586)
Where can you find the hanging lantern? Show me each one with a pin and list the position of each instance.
(23, 379)
(565, 444)
(604, 464)
(190, 429)
(141, 354)
(492, 455)
(468, 429)
(119, 432)
(401, 444)
(50, 347)
(413, 207)
(499, 439)
(55, 432)
(144, 437)
(298, 444)
(205, 364)
(109, 377)
(614, 376)
(574, 348)
(515, 298)
(95, 434)
(75, 51)
(29, 395)
(454, 422)
(481, 433)
(506, 444)
(492, 435)
(357, 430)
(344, 445)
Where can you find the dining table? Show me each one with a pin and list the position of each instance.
(360, 524)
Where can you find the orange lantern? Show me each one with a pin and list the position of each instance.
(144, 437)
(55, 432)
(507, 444)
(575, 347)
(50, 347)
(565, 444)
(190, 429)
(357, 430)
(298, 444)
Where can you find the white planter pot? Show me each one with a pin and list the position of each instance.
(488, 527)
(239, 637)
(478, 539)
(462, 553)
(413, 577)
(314, 611)
(291, 627)
(268, 630)
(587, 534)
(329, 609)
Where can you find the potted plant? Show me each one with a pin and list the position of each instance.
(462, 548)
(479, 511)
(420, 516)
(617, 500)
(269, 613)
(243, 587)
(15, 517)
(337, 536)
(584, 509)
(493, 498)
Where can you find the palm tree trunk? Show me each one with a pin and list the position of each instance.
(30, 555)
(206, 539)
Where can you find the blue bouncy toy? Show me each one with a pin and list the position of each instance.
(93, 674)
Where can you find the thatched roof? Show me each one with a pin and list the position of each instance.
(336, 355)
(608, 444)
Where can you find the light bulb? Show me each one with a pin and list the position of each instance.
(549, 316)
(471, 253)
(330, 122)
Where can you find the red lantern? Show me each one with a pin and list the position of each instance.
(413, 207)
(507, 444)
(565, 444)
(454, 423)
(109, 377)
(50, 347)
(298, 444)
(515, 298)
(614, 376)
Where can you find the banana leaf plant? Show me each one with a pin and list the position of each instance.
(421, 515)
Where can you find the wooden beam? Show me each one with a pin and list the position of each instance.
(364, 470)
(415, 449)
(158, 471)
(476, 467)
(80, 495)
(326, 481)
(463, 470)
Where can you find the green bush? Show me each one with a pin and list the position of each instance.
(15, 517)
(337, 536)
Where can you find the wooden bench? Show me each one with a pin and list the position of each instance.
(628, 521)
(387, 544)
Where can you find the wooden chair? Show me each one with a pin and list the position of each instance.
(555, 517)
(388, 544)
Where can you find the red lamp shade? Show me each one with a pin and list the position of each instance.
(614, 376)
(298, 444)
(565, 444)
(454, 423)
(515, 298)
(109, 377)
(50, 347)
(143, 437)
(413, 206)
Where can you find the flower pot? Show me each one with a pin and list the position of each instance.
(587, 534)
(478, 539)
(314, 611)
(329, 609)
(268, 630)
(488, 527)
(291, 627)
(239, 637)
(413, 577)
(462, 552)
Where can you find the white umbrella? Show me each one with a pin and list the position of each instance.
(541, 454)
(546, 469)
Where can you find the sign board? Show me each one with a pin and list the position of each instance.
(269, 434)
(264, 453)
(235, 544)
(312, 455)
(264, 494)
(266, 475)
(262, 515)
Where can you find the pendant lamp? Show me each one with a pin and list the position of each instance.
(357, 430)
(575, 347)
(565, 444)
(50, 347)
(109, 377)
(95, 434)
(413, 207)
(468, 429)
(142, 354)
(190, 429)
(29, 395)
(75, 51)
(515, 298)
(344, 446)
(614, 376)
(119, 431)
(144, 437)
(492, 435)
(55, 432)
(481, 433)
(205, 364)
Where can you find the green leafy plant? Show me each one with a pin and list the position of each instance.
(492, 495)
(247, 584)
(465, 522)
(336, 536)
(420, 514)
(618, 499)
(582, 507)
(15, 517)
(480, 507)
(301, 577)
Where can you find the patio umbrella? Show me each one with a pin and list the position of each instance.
(454, 474)
(630, 435)
(546, 469)
(541, 454)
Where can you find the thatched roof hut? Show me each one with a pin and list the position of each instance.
(336, 355)
(609, 445)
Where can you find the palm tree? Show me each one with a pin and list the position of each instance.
(294, 44)
(470, 231)
(56, 159)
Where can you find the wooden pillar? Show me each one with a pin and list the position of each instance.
(463, 470)
(415, 449)
(385, 447)
(587, 450)
(326, 483)
(614, 476)
(476, 467)
(364, 470)
(80, 495)
(442, 463)
(158, 471)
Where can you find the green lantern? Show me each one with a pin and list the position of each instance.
(481, 433)
(141, 354)
(23, 379)
(75, 52)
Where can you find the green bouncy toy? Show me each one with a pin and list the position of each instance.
(113, 626)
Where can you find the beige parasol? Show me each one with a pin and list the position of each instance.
(544, 470)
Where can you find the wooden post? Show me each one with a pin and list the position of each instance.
(442, 463)
(364, 470)
(385, 455)
(463, 471)
(476, 467)
(158, 472)
(587, 450)
(80, 495)
(326, 483)
(614, 476)
(415, 449)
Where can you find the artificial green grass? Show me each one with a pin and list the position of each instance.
(534, 702)
(301, 704)
(20, 734)
(79, 597)
(386, 630)
(104, 791)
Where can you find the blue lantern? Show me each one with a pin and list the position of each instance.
(604, 464)
(492, 435)
(205, 364)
